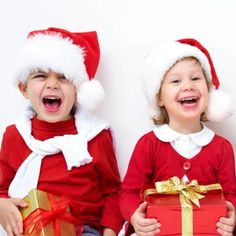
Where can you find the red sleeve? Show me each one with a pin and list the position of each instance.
(226, 171)
(7, 173)
(140, 172)
(106, 165)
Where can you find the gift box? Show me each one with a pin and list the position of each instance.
(178, 218)
(47, 215)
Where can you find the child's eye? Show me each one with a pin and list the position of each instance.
(195, 78)
(62, 77)
(175, 81)
(38, 76)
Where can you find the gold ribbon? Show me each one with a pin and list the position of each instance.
(188, 193)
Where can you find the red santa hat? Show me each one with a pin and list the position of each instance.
(76, 55)
(166, 55)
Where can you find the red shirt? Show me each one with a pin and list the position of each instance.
(94, 187)
(154, 160)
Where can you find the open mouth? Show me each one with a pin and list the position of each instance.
(52, 102)
(188, 101)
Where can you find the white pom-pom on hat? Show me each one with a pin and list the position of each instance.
(90, 94)
(219, 106)
(162, 58)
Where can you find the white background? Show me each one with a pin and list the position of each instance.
(127, 30)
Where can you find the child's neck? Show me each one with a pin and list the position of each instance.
(186, 128)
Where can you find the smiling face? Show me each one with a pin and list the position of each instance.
(184, 93)
(51, 95)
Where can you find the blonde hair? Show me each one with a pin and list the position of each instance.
(162, 116)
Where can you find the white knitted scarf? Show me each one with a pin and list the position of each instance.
(73, 147)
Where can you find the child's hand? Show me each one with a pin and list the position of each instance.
(10, 217)
(225, 226)
(108, 232)
(144, 226)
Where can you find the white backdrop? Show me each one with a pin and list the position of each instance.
(127, 30)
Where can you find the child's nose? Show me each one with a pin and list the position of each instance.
(52, 82)
(187, 85)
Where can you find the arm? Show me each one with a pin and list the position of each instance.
(10, 217)
(226, 171)
(7, 172)
(227, 179)
(107, 168)
(140, 172)
(12, 154)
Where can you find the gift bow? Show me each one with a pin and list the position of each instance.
(189, 192)
(39, 218)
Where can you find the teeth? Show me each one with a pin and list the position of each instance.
(188, 99)
(51, 97)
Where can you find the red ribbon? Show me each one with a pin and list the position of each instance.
(39, 218)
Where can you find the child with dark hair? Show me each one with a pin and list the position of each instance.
(56, 145)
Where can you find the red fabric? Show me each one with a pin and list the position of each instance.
(165, 207)
(88, 41)
(94, 187)
(195, 43)
(39, 218)
(154, 160)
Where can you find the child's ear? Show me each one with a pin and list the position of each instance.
(23, 89)
(160, 103)
(158, 100)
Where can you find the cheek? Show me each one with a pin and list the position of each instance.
(72, 96)
(32, 92)
(205, 96)
(74, 99)
(205, 92)
(167, 95)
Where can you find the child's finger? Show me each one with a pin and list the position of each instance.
(19, 202)
(226, 221)
(16, 218)
(20, 226)
(9, 231)
(149, 226)
(13, 223)
(225, 228)
(150, 221)
(224, 233)
(142, 207)
(19, 223)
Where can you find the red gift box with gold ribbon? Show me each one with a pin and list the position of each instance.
(185, 209)
(48, 215)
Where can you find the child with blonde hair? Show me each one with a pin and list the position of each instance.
(183, 88)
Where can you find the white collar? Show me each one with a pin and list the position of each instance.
(201, 138)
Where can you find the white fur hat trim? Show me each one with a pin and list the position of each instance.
(162, 58)
(53, 52)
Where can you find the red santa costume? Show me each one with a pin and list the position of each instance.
(163, 152)
(74, 157)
